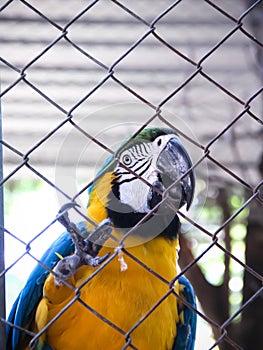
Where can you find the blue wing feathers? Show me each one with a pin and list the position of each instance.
(186, 331)
(28, 299)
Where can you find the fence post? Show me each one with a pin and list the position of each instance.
(2, 256)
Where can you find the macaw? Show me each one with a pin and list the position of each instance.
(129, 296)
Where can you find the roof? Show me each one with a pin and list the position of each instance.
(108, 66)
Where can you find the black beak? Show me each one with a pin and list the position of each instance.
(172, 163)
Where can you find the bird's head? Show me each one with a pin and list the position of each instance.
(150, 179)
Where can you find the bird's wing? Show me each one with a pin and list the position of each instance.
(186, 327)
(23, 310)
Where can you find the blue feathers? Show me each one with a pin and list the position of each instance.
(186, 330)
(23, 310)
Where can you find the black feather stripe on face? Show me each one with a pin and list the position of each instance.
(124, 218)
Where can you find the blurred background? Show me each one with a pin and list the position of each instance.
(77, 77)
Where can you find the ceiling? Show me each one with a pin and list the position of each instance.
(109, 68)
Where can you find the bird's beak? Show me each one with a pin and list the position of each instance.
(172, 163)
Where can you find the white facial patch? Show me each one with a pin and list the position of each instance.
(135, 193)
(141, 159)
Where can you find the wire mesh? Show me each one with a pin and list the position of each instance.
(104, 72)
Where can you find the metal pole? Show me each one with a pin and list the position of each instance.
(2, 255)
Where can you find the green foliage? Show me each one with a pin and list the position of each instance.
(211, 217)
(212, 263)
(12, 189)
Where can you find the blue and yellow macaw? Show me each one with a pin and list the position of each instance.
(130, 300)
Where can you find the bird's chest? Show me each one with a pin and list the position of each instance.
(117, 308)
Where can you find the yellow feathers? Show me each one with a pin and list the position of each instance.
(122, 297)
(98, 199)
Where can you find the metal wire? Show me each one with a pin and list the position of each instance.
(110, 74)
(2, 244)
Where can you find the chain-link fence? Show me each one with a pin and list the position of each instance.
(76, 78)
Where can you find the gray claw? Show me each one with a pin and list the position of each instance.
(68, 266)
(62, 216)
(67, 206)
(98, 260)
(101, 233)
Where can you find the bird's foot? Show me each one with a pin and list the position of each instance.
(86, 250)
(68, 266)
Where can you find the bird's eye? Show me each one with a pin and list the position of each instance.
(126, 159)
(159, 142)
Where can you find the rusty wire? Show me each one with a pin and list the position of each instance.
(151, 30)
